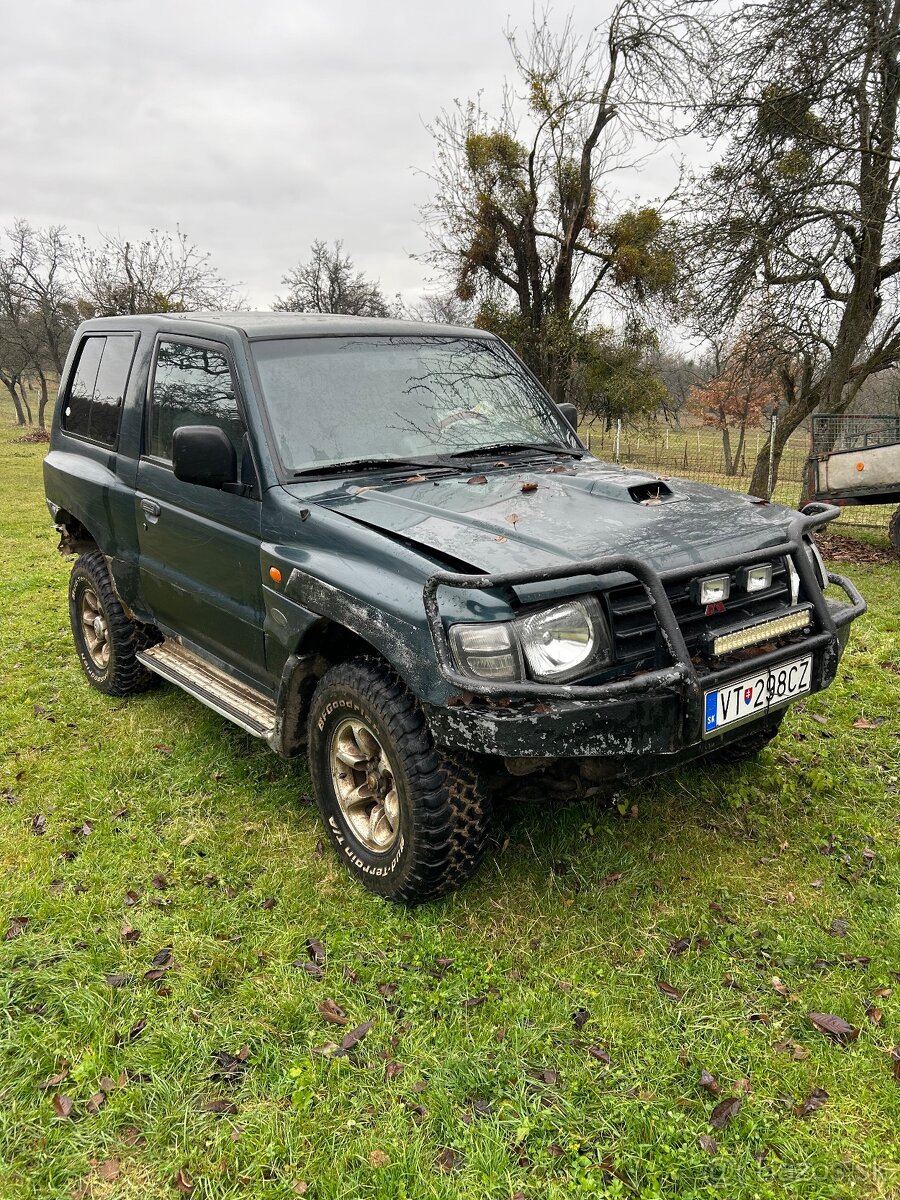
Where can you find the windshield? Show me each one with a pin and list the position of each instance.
(334, 399)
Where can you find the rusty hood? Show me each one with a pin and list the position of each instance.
(535, 517)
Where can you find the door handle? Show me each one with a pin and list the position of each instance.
(151, 510)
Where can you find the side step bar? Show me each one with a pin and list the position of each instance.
(246, 707)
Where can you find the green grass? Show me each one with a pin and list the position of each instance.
(576, 909)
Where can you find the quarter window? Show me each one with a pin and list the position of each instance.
(94, 403)
(192, 385)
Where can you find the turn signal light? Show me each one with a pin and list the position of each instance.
(274, 574)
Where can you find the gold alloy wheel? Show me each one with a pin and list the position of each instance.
(96, 629)
(364, 783)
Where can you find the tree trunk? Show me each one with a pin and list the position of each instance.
(42, 403)
(25, 403)
(726, 450)
(17, 403)
(739, 452)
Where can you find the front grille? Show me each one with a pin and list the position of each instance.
(636, 635)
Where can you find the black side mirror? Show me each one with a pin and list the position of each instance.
(570, 412)
(203, 454)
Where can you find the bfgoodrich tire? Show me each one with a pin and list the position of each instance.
(410, 821)
(106, 639)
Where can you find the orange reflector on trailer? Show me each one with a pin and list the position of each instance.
(274, 574)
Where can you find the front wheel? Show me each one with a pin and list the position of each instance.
(410, 821)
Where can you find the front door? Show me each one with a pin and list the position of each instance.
(199, 546)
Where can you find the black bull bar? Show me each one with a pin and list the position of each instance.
(681, 674)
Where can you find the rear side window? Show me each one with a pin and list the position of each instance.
(94, 403)
(192, 385)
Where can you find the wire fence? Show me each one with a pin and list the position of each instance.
(699, 454)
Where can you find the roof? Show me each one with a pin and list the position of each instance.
(288, 324)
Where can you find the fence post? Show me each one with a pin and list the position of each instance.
(618, 436)
(771, 480)
(698, 447)
(590, 447)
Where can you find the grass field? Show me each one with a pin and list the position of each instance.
(540, 1034)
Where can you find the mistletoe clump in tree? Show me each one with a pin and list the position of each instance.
(524, 220)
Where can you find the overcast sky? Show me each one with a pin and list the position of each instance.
(255, 126)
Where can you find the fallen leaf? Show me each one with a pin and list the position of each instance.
(816, 1098)
(708, 1143)
(678, 945)
(107, 1083)
(386, 989)
(300, 1187)
(16, 928)
(895, 1061)
(131, 898)
(39, 824)
(529, 486)
(513, 518)
(333, 1012)
(355, 1036)
(393, 1069)
(415, 479)
(128, 933)
(159, 882)
(62, 1105)
(221, 1107)
(162, 958)
(819, 718)
(132, 1034)
(118, 981)
(446, 1160)
(546, 1075)
(501, 538)
(269, 903)
(797, 1052)
(862, 723)
(316, 951)
(160, 748)
(834, 1027)
(230, 1066)
(778, 986)
(600, 1054)
(312, 969)
(580, 1018)
(709, 1083)
(668, 990)
(85, 829)
(724, 1111)
(183, 1181)
(476, 479)
(839, 927)
(378, 1158)
(474, 1001)
(95, 1103)
(53, 1081)
(874, 1013)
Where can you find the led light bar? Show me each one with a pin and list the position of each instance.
(752, 635)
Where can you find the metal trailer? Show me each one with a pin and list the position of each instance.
(856, 460)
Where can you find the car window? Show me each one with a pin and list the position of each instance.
(192, 385)
(94, 403)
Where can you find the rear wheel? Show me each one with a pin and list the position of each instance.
(410, 821)
(750, 745)
(106, 639)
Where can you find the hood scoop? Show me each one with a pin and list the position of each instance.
(652, 492)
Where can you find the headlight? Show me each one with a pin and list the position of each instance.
(555, 644)
(487, 651)
(560, 642)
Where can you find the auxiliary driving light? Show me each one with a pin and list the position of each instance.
(727, 643)
(712, 590)
(756, 579)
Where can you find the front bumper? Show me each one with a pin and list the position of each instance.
(653, 713)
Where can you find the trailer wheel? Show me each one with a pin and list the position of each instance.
(894, 530)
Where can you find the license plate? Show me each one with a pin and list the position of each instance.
(755, 695)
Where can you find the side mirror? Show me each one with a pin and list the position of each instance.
(203, 454)
(570, 412)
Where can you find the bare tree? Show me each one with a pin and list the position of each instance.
(163, 272)
(36, 305)
(799, 221)
(523, 221)
(328, 282)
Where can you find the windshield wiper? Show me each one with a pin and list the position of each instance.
(517, 447)
(353, 465)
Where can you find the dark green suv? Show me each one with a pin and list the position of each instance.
(380, 544)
